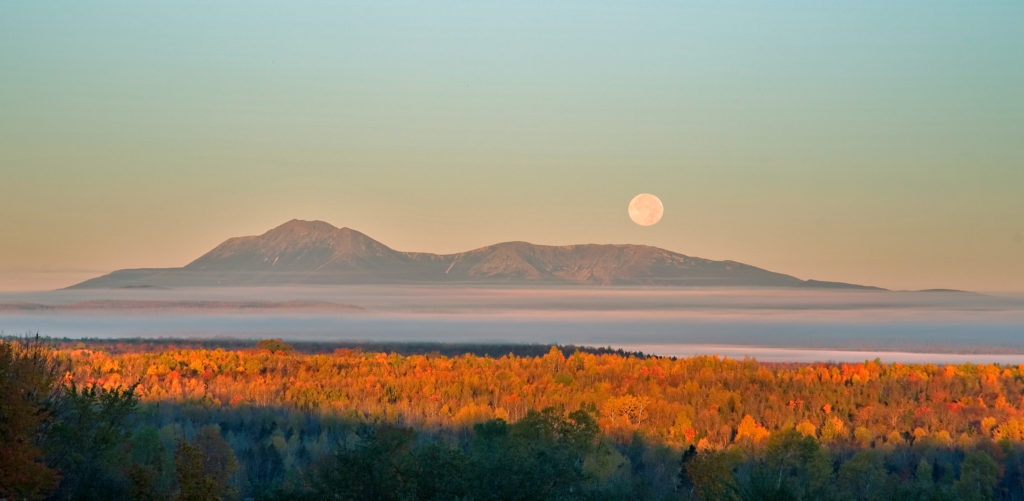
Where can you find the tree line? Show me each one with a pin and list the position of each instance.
(271, 422)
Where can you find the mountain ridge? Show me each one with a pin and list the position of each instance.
(316, 252)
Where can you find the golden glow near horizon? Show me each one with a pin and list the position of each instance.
(866, 144)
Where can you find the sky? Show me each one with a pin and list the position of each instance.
(874, 142)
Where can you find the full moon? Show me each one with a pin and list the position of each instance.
(645, 209)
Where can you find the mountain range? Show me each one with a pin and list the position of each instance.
(315, 252)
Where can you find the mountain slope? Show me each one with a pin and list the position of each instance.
(315, 252)
(300, 246)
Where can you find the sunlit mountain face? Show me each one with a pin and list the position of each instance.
(315, 252)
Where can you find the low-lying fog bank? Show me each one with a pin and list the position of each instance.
(770, 325)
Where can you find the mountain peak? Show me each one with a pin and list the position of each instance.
(317, 252)
(303, 226)
(295, 246)
(302, 231)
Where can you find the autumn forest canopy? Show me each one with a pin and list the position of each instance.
(270, 420)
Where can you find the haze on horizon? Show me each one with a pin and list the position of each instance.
(868, 142)
(779, 325)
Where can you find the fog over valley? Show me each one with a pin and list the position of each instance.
(768, 324)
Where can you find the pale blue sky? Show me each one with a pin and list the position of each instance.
(874, 142)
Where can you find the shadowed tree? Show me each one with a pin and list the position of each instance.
(28, 377)
(978, 477)
(684, 483)
(380, 466)
(193, 484)
(863, 477)
(794, 466)
(89, 442)
(274, 345)
(712, 474)
(205, 466)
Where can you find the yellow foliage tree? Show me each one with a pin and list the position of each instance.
(750, 431)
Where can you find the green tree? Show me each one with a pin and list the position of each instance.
(978, 477)
(863, 477)
(380, 466)
(219, 462)
(274, 345)
(539, 457)
(440, 471)
(684, 483)
(151, 469)
(205, 466)
(89, 442)
(713, 474)
(795, 464)
(193, 484)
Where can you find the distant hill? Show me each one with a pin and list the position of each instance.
(315, 252)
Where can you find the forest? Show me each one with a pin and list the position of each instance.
(127, 419)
